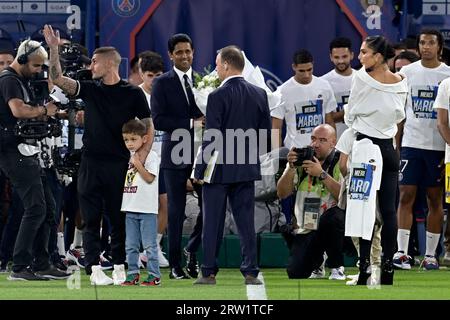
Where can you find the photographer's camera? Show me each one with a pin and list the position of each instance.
(305, 153)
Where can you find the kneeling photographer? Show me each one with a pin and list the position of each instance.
(318, 224)
(18, 160)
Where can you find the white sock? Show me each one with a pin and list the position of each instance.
(60, 244)
(403, 240)
(78, 238)
(432, 243)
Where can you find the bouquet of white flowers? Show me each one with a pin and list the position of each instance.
(203, 86)
(254, 75)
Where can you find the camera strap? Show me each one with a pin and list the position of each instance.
(7, 73)
(330, 161)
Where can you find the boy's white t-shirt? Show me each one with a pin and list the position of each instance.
(303, 106)
(420, 129)
(341, 86)
(140, 196)
(443, 102)
(157, 140)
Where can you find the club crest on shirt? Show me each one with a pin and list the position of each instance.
(129, 180)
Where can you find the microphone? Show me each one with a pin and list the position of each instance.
(370, 69)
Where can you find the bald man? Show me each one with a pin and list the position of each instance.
(319, 224)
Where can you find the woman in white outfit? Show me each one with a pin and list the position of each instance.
(375, 107)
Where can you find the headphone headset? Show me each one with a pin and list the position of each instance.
(23, 58)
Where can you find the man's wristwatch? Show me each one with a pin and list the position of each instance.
(323, 175)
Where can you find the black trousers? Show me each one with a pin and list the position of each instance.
(176, 196)
(306, 253)
(100, 187)
(242, 200)
(31, 247)
(386, 200)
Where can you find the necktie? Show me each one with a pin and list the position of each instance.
(189, 92)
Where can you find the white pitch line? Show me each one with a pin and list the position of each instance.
(257, 292)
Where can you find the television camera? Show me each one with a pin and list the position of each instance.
(74, 62)
(36, 129)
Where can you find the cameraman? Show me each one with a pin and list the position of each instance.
(23, 171)
(110, 102)
(318, 224)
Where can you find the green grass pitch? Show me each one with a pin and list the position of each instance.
(408, 285)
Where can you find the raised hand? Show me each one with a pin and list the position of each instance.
(51, 36)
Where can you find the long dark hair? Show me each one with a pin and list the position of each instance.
(380, 45)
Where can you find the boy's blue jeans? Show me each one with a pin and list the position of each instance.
(142, 227)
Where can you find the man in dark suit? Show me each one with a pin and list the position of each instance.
(237, 110)
(174, 108)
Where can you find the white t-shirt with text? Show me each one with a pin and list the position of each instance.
(303, 106)
(420, 129)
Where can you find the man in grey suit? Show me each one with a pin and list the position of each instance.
(236, 109)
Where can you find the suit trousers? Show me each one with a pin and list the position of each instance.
(242, 200)
(176, 195)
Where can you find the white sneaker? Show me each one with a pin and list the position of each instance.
(337, 274)
(317, 274)
(99, 278)
(118, 275)
(401, 261)
(163, 263)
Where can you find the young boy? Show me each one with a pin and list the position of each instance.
(140, 203)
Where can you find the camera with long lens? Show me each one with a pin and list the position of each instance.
(305, 153)
(73, 64)
(37, 129)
